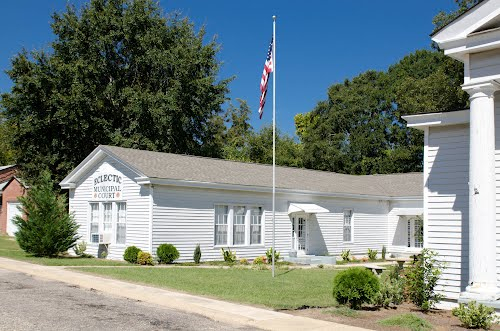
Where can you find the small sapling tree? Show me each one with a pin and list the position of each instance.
(47, 229)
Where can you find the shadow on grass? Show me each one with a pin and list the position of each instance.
(285, 272)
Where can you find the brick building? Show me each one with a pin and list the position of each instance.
(10, 189)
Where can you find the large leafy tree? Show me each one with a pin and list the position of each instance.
(118, 72)
(238, 133)
(288, 151)
(7, 153)
(359, 129)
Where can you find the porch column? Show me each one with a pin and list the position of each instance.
(482, 194)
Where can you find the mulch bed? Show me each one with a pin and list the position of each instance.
(369, 316)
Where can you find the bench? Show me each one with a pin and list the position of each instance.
(377, 270)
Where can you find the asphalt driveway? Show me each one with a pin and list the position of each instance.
(28, 303)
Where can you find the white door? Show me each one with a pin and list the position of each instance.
(12, 211)
(299, 235)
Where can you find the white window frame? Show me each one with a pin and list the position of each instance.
(114, 220)
(260, 224)
(91, 217)
(351, 225)
(247, 225)
(117, 222)
(225, 216)
(411, 227)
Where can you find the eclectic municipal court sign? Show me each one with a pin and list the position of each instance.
(107, 186)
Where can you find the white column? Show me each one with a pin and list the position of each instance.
(482, 195)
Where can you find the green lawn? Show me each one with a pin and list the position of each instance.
(290, 289)
(10, 249)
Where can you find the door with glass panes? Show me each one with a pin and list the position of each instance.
(299, 234)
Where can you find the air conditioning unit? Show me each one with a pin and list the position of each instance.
(100, 238)
(104, 238)
(94, 238)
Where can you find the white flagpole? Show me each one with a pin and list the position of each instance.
(274, 132)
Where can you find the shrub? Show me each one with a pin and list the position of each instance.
(144, 258)
(421, 279)
(391, 291)
(475, 316)
(49, 229)
(197, 254)
(346, 255)
(80, 249)
(130, 254)
(355, 286)
(167, 253)
(372, 254)
(384, 251)
(229, 257)
(244, 261)
(269, 256)
(259, 260)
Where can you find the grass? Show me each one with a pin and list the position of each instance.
(291, 289)
(407, 321)
(10, 249)
(343, 311)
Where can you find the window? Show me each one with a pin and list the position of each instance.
(239, 225)
(121, 222)
(94, 221)
(256, 226)
(419, 233)
(221, 215)
(110, 217)
(415, 233)
(348, 225)
(409, 233)
(107, 221)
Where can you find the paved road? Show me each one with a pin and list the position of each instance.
(28, 303)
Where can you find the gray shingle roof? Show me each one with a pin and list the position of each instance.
(209, 170)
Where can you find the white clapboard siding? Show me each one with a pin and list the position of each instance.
(185, 217)
(485, 64)
(137, 209)
(447, 203)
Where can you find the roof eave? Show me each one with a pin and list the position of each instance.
(96, 156)
(422, 121)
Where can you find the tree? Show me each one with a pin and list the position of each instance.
(239, 132)
(118, 72)
(427, 81)
(288, 151)
(359, 129)
(443, 18)
(48, 229)
(7, 153)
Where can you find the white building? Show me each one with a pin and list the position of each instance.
(462, 161)
(129, 197)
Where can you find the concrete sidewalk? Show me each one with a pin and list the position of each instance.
(215, 309)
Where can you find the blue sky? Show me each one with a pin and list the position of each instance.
(319, 43)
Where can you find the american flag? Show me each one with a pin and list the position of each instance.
(268, 68)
